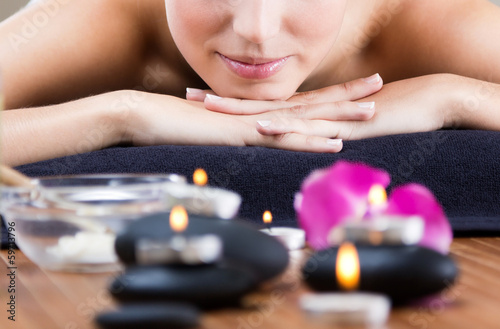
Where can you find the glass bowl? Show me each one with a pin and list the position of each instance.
(69, 223)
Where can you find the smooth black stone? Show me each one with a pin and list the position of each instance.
(151, 316)
(244, 245)
(207, 286)
(401, 272)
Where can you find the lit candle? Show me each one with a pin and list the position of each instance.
(200, 199)
(377, 200)
(179, 219)
(378, 228)
(200, 177)
(400, 272)
(202, 249)
(347, 267)
(267, 218)
(292, 238)
(347, 308)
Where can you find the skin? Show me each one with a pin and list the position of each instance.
(68, 85)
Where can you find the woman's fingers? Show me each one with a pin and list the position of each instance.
(193, 94)
(282, 125)
(323, 120)
(347, 91)
(338, 111)
(244, 106)
(342, 110)
(301, 143)
(233, 105)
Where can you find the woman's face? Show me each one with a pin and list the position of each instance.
(255, 49)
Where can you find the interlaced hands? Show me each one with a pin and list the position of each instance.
(318, 120)
(308, 121)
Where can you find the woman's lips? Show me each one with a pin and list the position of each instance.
(260, 69)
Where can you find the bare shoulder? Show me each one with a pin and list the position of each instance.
(442, 36)
(73, 48)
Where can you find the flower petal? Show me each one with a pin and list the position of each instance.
(330, 196)
(415, 199)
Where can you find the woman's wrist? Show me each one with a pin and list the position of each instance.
(475, 104)
(449, 93)
(120, 115)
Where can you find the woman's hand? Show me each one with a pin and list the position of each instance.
(158, 119)
(406, 106)
(420, 104)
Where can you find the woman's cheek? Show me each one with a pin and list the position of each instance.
(317, 19)
(191, 20)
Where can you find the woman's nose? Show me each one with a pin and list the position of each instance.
(257, 20)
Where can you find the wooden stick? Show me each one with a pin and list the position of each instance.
(12, 177)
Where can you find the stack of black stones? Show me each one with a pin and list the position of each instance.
(174, 295)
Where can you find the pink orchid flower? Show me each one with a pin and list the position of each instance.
(331, 196)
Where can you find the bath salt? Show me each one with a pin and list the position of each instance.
(85, 247)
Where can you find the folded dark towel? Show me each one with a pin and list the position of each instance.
(461, 167)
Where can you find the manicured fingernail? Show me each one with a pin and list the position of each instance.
(264, 123)
(213, 97)
(372, 79)
(367, 105)
(334, 142)
(194, 91)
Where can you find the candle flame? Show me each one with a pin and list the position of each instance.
(178, 219)
(347, 267)
(200, 177)
(377, 196)
(267, 217)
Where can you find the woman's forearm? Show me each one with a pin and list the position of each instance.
(125, 116)
(35, 134)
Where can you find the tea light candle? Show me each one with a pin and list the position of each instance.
(347, 308)
(377, 200)
(204, 200)
(381, 230)
(292, 238)
(351, 308)
(204, 249)
(200, 179)
(376, 227)
(179, 249)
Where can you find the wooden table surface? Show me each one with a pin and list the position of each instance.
(51, 300)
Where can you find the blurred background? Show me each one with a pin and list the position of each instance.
(8, 7)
